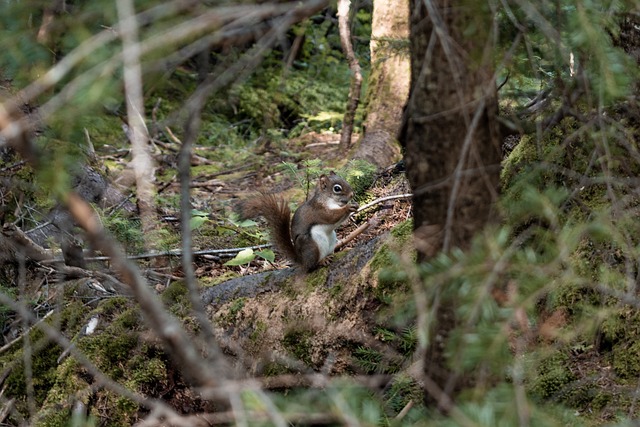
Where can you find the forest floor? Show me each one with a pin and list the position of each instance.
(584, 378)
(216, 195)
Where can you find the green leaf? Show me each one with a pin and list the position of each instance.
(196, 212)
(244, 257)
(197, 221)
(246, 223)
(266, 254)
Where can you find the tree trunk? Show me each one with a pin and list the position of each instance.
(388, 83)
(344, 7)
(452, 147)
(142, 162)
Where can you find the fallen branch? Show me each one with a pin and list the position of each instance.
(20, 241)
(28, 331)
(383, 199)
(373, 222)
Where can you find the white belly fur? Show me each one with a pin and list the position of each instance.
(325, 237)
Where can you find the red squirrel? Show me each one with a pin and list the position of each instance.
(310, 237)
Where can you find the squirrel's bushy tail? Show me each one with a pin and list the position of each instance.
(277, 213)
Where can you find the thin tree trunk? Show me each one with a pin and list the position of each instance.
(452, 151)
(389, 82)
(356, 79)
(141, 162)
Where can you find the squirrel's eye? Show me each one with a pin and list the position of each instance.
(337, 188)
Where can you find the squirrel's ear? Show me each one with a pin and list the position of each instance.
(323, 181)
(332, 173)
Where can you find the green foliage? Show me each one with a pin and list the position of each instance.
(340, 400)
(44, 363)
(312, 169)
(278, 99)
(370, 360)
(553, 378)
(556, 33)
(197, 219)
(624, 359)
(360, 174)
(125, 229)
(245, 256)
(497, 407)
(403, 390)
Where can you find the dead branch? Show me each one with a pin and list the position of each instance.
(19, 240)
(191, 130)
(355, 233)
(383, 199)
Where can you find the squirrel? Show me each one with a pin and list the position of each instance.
(310, 237)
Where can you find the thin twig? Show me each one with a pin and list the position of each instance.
(383, 199)
(28, 331)
(231, 252)
(355, 233)
(191, 129)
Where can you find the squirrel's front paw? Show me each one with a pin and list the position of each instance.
(325, 261)
(353, 206)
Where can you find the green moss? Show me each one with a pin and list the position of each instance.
(553, 378)
(386, 255)
(109, 348)
(126, 230)
(236, 306)
(146, 371)
(116, 349)
(360, 174)
(258, 332)
(316, 279)
(621, 324)
(44, 365)
(403, 231)
(176, 298)
(104, 130)
(298, 342)
(625, 360)
(56, 409)
(176, 293)
(113, 306)
(210, 281)
(273, 369)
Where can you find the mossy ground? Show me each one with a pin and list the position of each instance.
(577, 226)
(121, 348)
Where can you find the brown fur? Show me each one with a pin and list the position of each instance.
(329, 206)
(278, 215)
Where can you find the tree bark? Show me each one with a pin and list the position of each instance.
(452, 149)
(344, 7)
(142, 162)
(389, 81)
